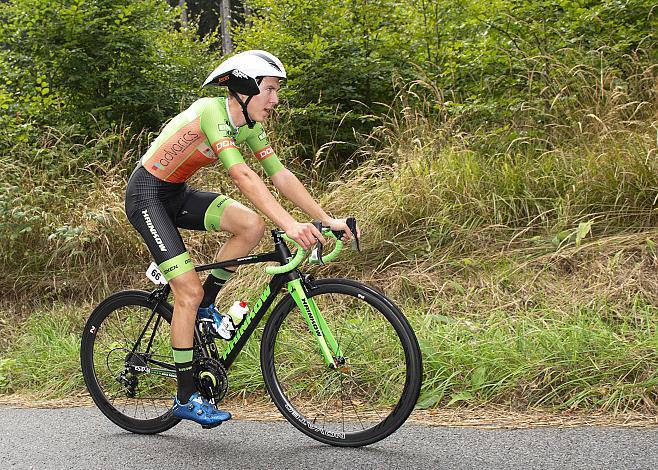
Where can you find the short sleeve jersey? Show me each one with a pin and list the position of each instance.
(201, 135)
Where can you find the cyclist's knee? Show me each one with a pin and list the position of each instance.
(256, 228)
(250, 226)
(188, 291)
(240, 220)
(189, 299)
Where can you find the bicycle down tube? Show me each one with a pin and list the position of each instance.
(253, 318)
(316, 323)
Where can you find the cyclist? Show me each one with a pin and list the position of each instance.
(158, 202)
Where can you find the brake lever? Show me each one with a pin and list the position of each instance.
(351, 224)
(318, 246)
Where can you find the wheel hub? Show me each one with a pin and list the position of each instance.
(129, 381)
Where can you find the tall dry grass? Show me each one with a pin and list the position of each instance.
(428, 194)
(524, 254)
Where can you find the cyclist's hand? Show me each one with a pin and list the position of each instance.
(340, 224)
(305, 234)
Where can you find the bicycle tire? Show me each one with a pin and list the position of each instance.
(107, 340)
(289, 351)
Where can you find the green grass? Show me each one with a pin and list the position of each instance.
(44, 356)
(592, 357)
(547, 359)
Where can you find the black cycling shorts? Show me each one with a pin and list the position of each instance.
(157, 208)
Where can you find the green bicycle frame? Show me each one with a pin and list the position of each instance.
(316, 323)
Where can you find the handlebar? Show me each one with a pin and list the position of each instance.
(320, 258)
(300, 254)
(293, 263)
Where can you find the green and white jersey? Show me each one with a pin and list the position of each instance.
(201, 135)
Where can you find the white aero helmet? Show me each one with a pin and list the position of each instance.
(243, 72)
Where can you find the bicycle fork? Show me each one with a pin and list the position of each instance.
(316, 324)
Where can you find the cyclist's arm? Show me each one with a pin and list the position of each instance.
(258, 142)
(285, 181)
(250, 184)
(293, 189)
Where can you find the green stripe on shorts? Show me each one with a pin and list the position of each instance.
(212, 218)
(176, 266)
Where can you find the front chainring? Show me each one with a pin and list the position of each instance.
(210, 379)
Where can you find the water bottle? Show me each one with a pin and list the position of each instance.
(238, 311)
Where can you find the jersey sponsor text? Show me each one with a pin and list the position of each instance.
(262, 154)
(178, 147)
(223, 144)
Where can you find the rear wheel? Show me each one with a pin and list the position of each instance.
(376, 383)
(127, 362)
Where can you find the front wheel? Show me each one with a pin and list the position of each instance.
(375, 381)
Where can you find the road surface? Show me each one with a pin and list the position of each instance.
(82, 438)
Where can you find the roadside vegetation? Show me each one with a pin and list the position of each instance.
(504, 170)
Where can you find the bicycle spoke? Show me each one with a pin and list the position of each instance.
(121, 329)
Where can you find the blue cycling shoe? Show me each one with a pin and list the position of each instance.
(199, 410)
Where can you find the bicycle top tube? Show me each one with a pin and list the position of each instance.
(281, 254)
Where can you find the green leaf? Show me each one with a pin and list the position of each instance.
(430, 399)
(478, 377)
(560, 237)
(584, 228)
(461, 396)
(457, 286)
(426, 348)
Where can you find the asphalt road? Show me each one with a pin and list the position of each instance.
(83, 438)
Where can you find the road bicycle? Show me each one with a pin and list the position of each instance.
(338, 358)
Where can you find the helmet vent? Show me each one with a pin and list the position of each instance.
(268, 60)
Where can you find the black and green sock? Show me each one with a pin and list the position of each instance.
(214, 282)
(184, 373)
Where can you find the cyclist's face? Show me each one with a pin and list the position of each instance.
(260, 107)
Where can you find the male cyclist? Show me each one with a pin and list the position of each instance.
(158, 201)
